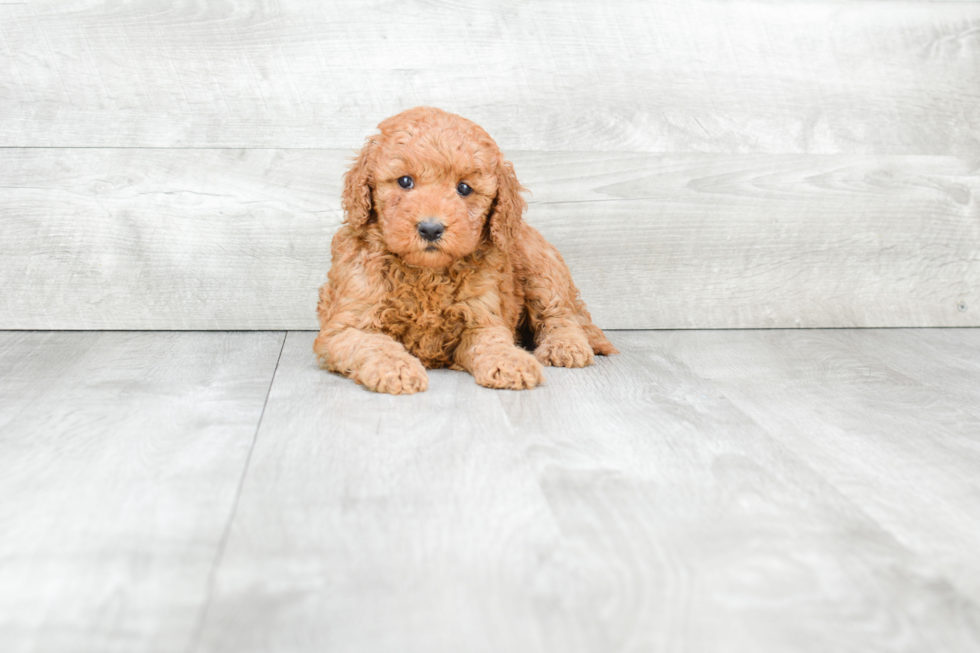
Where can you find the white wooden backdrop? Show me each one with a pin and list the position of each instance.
(708, 164)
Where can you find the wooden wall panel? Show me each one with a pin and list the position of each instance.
(165, 239)
(239, 239)
(710, 241)
(684, 75)
(701, 163)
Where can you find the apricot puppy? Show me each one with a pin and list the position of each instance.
(435, 267)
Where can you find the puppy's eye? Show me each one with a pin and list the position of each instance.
(406, 182)
(464, 189)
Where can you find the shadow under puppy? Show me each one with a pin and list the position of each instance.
(435, 267)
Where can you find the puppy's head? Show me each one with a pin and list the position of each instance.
(436, 186)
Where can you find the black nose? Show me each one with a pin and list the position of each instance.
(431, 230)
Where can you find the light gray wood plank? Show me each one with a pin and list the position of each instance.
(698, 241)
(165, 239)
(722, 520)
(947, 360)
(630, 506)
(903, 446)
(240, 239)
(356, 472)
(696, 75)
(120, 459)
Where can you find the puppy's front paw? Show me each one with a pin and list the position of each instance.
(565, 348)
(509, 369)
(401, 374)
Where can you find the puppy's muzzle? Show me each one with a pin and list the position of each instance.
(431, 230)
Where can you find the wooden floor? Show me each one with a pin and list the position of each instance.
(704, 491)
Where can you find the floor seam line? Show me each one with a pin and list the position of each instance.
(195, 639)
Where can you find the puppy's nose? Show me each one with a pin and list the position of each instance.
(431, 230)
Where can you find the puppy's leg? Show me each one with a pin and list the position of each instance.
(348, 343)
(490, 355)
(563, 330)
(374, 360)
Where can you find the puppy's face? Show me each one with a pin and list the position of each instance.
(433, 184)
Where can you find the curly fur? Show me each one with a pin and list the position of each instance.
(395, 304)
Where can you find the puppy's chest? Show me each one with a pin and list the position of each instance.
(425, 314)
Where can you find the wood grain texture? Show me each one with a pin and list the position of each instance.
(703, 241)
(701, 75)
(630, 506)
(947, 360)
(165, 239)
(120, 459)
(886, 417)
(239, 239)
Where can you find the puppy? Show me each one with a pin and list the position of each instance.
(435, 267)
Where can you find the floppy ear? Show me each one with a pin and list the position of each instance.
(508, 206)
(356, 198)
